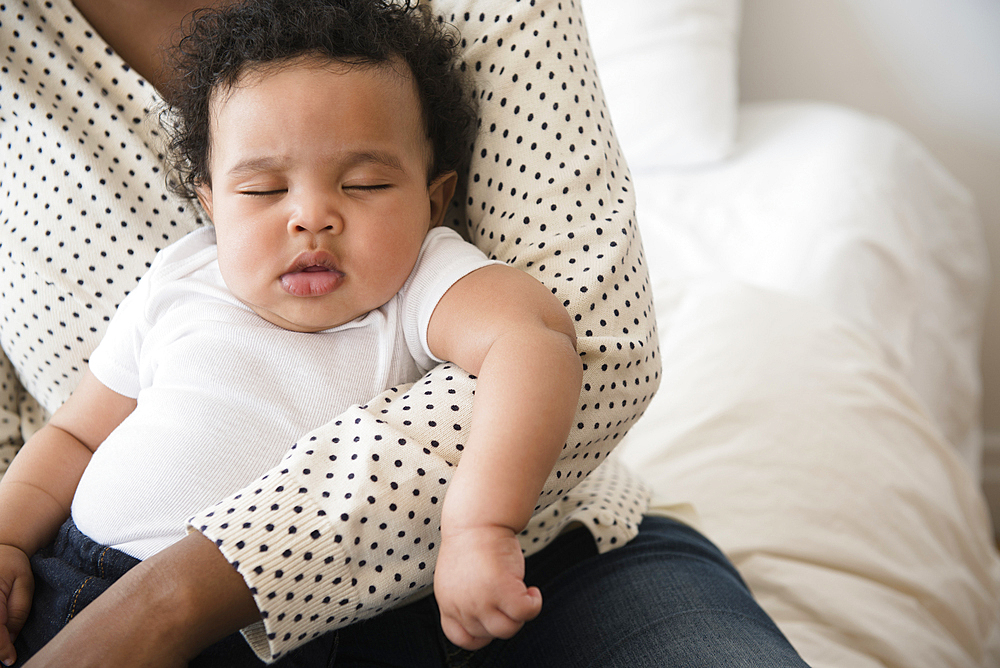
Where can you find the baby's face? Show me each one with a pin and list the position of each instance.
(319, 191)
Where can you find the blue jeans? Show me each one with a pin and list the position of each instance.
(667, 598)
(74, 570)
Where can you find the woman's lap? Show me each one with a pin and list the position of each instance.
(668, 598)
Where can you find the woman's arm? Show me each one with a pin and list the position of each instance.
(356, 504)
(162, 613)
(547, 193)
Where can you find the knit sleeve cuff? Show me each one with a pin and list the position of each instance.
(285, 556)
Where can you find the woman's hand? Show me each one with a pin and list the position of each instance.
(161, 614)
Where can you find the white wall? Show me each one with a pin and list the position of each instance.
(933, 66)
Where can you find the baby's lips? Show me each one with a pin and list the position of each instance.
(315, 260)
(313, 281)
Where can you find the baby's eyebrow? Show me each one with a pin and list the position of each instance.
(383, 158)
(255, 165)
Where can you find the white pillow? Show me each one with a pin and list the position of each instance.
(669, 72)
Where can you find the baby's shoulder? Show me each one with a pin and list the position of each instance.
(188, 254)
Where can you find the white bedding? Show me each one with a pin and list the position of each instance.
(819, 299)
(849, 211)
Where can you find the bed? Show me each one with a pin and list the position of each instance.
(819, 284)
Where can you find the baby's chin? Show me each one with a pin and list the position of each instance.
(306, 318)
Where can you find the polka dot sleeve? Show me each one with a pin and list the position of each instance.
(355, 506)
(10, 432)
(83, 203)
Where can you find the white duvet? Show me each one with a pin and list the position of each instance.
(819, 300)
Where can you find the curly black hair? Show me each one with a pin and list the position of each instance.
(217, 46)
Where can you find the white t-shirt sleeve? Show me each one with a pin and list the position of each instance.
(445, 257)
(116, 360)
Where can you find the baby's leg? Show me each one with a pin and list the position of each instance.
(69, 574)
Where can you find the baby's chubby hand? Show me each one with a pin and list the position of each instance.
(16, 588)
(479, 586)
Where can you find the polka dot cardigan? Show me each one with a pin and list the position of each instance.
(348, 524)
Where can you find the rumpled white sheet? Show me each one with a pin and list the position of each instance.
(819, 299)
(849, 211)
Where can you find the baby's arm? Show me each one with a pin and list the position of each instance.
(509, 330)
(37, 490)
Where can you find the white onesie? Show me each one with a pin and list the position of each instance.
(222, 393)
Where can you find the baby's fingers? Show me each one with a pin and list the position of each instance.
(19, 605)
(7, 653)
(13, 614)
(457, 634)
(498, 624)
(476, 630)
(508, 617)
(522, 608)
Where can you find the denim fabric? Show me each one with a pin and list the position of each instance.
(667, 598)
(69, 575)
(74, 570)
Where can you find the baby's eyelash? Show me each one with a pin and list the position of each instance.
(381, 186)
(262, 193)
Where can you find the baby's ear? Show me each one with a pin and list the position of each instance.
(204, 193)
(441, 190)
